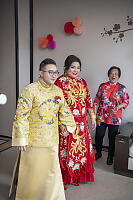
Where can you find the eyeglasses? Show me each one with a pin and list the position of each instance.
(51, 73)
(116, 74)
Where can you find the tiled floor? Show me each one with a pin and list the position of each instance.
(107, 186)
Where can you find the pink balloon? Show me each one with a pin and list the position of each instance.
(77, 21)
(78, 30)
(51, 44)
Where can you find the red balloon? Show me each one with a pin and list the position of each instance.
(50, 37)
(68, 28)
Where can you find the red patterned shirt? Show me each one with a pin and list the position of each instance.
(107, 98)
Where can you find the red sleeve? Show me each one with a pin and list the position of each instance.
(89, 103)
(98, 96)
(58, 83)
(125, 99)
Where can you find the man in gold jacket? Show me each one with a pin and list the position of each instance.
(40, 111)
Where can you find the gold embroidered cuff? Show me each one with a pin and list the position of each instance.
(19, 141)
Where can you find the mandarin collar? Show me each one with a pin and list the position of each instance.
(70, 77)
(43, 84)
(113, 83)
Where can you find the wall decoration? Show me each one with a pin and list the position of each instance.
(43, 42)
(50, 37)
(77, 22)
(3, 99)
(48, 41)
(68, 28)
(51, 44)
(74, 27)
(116, 30)
(78, 30)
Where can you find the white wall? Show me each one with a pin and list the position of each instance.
(96, 53)
(24, 43)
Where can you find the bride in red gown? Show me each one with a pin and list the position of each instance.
(76, 152)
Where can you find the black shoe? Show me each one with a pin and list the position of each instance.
(109, 161)
(97, 156)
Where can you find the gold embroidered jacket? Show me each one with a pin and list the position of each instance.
(41, 108)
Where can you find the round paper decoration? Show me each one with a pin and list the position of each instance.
(50, 37)
(3, 99)
(76, 21)
(43, 42)
(68, 28)
(78, 30)
(51, 44)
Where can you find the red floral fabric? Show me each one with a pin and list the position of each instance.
(76, 151)
(107, 98)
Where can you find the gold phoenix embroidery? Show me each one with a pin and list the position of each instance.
(76, 94)
(77, 146)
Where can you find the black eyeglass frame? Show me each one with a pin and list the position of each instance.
(51, 73)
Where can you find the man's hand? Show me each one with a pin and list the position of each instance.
(64, 131)
(22, 148)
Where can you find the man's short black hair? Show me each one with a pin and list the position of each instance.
(114, 67)
(45, 62)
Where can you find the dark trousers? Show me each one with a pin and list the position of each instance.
(100, 133)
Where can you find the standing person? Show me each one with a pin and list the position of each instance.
(76, 151)
(109, 101)
(41, 107)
